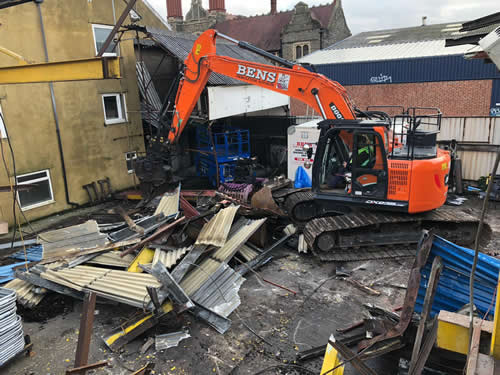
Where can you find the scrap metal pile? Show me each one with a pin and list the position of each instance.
(187, 250)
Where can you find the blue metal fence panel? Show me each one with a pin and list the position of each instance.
(426, 69)
(453, 288)
(495, 98)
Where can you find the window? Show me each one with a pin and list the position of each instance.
(130, 158)
(298, 52)
(3, 133)
(101, 32)
(114, 107)
(305, 50)
(38, 195)
(301, 49)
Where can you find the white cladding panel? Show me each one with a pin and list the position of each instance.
(298, 136)
(225, 101)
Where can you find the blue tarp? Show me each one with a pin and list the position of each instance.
(453, 288)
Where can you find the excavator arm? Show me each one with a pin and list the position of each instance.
(327, 97)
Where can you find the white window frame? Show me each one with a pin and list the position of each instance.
(3, 133)
(130, 171)
(122, 108)
(105, 54)
(40, 204)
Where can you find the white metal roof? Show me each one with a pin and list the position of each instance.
(384, 52)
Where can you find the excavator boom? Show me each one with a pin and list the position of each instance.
(327, 97)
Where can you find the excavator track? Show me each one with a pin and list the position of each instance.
(365, 234)
(375, 235)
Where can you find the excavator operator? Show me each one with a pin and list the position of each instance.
(365, 156)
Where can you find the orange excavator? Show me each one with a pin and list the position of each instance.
(393, 177)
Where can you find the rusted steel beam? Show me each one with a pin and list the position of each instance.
(85, 335)
(119, 23)
(83, 369)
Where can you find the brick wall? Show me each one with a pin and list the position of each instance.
(454, 98)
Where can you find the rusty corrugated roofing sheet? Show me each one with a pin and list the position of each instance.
(77, 237)
(215, 232)
(265, 31)
(169, 257)
(121, 286)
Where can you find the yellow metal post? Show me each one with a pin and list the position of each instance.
(330, 361)
(71, 70)
(495, 336)
(144, 257)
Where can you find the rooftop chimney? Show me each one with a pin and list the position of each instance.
(174, 8)
(274, 10)
(217, 5)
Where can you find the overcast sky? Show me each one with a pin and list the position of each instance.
(367, 15)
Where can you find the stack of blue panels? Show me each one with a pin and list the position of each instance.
(453, 288)
(33, 254)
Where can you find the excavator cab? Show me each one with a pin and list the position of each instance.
(390, 162)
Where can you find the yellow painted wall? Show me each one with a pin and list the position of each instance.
(92, 150)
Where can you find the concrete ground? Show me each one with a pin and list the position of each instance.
(288, 322)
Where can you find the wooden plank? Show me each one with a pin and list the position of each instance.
(474, 350)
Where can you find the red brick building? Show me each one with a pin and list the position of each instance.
(411, 67)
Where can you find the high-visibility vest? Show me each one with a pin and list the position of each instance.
(369, 151)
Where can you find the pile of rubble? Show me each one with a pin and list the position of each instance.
(187, 250)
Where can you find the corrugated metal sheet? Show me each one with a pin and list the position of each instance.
(194, 279)
(247, 252)
(150, 103)
(477, 129)
(396, 51)
(122, 286)
(112, 258)
(452, 128)
(180, 44)
(476, 163)
(495, 125)
(495, 98)
(169, 204)
(7, 272)
(418, 69)
(169, 258)
(219, 293)
(453, 288)
(170, 340)
(33, 254)
(26, 294)
(215, 232)
(11, 328)
(77, 237)
(149, 224)
(239, 238)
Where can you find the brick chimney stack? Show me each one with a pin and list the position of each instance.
(174, 9)
(217, 5)
(274, 8)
